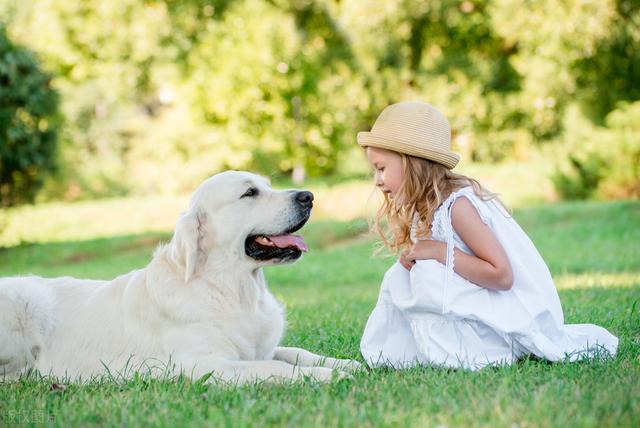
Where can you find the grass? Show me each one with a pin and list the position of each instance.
(349, 199)
(593, 251)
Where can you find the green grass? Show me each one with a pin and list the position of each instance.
(348, 199)
(592, 248)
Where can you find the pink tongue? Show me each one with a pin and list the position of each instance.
(284, 241)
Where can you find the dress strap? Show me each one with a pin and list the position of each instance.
(447, 226)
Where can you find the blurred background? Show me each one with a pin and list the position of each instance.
(113, 111)
(131, 98)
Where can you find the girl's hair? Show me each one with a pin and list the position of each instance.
(425, 187)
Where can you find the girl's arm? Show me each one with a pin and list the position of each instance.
(489, 268)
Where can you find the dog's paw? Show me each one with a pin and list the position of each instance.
(318, 374)
(349, 366)
(325, 374)
(340, 375)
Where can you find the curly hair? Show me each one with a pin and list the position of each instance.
(425, 187)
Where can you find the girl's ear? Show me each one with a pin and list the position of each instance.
(186, 245)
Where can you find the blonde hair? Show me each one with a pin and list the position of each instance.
(426, 186)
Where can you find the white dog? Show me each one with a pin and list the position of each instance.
(201, 306)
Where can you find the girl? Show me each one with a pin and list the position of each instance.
(469, 289)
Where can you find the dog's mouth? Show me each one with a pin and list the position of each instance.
(281, 247)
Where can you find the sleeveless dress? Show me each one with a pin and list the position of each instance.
(431, 315)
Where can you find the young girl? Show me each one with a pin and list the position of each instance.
(469, 289)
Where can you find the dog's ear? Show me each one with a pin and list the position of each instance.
(186, 248)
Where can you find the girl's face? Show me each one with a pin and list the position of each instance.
(389, 172)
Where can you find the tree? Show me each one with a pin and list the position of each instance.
(157, 95)
(28, 123)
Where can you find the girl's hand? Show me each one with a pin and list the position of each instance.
(405, 262)
(424, 250)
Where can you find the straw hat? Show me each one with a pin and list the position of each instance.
(414, 128)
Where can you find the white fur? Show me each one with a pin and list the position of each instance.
(201, 305)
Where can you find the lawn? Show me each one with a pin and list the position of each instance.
(592, 248)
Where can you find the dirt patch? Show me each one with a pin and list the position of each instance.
(77, 258)
(129, 246)
(143, 242)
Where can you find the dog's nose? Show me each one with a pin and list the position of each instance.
(305, 198)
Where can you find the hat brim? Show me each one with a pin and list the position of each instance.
(448, 159)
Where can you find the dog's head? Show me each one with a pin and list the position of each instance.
(236, 217)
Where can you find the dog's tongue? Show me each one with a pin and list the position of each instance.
(284, 241)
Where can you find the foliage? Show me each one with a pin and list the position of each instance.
(604, 161)
(583, 180)
(161, 93)
(610, 72)
(28, 110)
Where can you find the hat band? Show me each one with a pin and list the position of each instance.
(446, 158)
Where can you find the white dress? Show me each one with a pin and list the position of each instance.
(432, 315)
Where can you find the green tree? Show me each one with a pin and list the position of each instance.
(159, 94)
(610, 72)
(28, 118)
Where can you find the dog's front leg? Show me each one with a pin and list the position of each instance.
(302, 357)
(240, 372)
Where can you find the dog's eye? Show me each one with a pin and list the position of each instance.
(251, 191)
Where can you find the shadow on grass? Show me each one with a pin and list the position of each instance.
(579, 236)
(101, 258)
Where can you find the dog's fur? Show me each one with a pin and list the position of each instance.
(201, 305)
